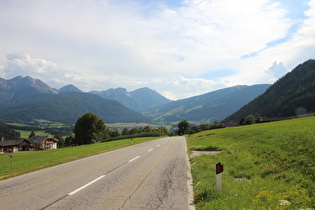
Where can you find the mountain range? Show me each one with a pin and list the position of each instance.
(22, 89)
(139, 100)
(68, 107)
(208, 107)
(24, 99)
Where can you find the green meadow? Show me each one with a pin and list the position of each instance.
(24, 162)
(266, 166)
(26, 134)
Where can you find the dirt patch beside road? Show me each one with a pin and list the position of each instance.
(198, 153)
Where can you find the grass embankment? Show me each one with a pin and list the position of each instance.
(267, 166)
(25, 162)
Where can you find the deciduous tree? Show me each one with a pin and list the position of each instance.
(89, 129)
(183, 127)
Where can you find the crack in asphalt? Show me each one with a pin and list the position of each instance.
(166, 185)
(54, 202)
(140, 184)
(138, 187)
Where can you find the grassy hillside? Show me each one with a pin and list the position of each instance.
(266, 165)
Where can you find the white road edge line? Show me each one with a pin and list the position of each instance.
(191, 205)
(150, 150)
(158, 145)
(88, 184)
(133, 159)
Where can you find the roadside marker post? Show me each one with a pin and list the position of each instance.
(219, 170)
(10, 160)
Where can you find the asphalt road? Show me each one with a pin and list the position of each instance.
(151, 175)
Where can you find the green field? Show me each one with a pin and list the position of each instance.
(24, 162)
(266, 166)
(40, 123)
(26, 134)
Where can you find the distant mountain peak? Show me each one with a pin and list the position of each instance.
(69, 88)
(21, 82)
(139, 100)
(22, 89)
(17, 77)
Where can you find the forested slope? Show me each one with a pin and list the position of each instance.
(291, 95)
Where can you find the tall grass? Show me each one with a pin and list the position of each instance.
(267, 166)
(24, 162)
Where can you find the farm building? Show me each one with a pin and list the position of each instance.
(14, 145)
(43, 142)
(33, 143)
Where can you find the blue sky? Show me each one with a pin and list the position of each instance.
(178, 48)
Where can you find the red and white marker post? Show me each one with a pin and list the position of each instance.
(219, 170)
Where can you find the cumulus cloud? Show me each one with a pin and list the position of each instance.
(19, 64)
(277, 70)
(25, 65)
(108, 44)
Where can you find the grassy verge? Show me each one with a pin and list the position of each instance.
(267, 166)
(25, 162)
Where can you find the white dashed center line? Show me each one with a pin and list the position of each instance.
(97, 179)
(88, 184)
(133, 159)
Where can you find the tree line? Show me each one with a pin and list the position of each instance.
(90, 129)
(8, 133)
(184, 127)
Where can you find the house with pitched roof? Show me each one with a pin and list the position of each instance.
(43, 142)
(14, 145)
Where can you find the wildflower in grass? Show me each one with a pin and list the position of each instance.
(296, 197)
(284, 203)
(307, 209)
(299, 195)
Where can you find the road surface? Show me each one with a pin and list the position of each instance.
(151, 175)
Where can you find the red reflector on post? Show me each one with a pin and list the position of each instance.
(219, 168)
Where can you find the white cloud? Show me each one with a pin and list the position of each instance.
(185, 87)
(108, 44)
(18, 64)
(299, 48)
(25, 65)
(277, 70)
